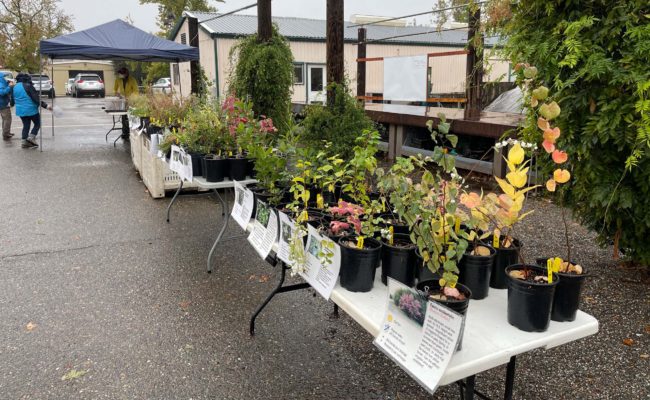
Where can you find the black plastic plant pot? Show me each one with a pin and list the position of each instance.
(197, 164)
(505, 257)
(530, 303)
(204, 169)
(358, 265)
(475, 271)
(238, 168)
(250, 167)
(399, 262)
(567, 294)
(216, 169)
(422, 272)
(398, 226)
(460, 306)
(262, 195)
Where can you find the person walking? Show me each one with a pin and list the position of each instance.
(27, 102)
(6, 102)
(125, 86)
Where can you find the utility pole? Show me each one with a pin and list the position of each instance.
(474, 69)
(264, 23)
(361, 65)
(334, 44)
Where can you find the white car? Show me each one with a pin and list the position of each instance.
(68, 86)
(162, 85)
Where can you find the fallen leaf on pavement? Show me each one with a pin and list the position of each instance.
(628, 342)
(30, 326)
(74, 374)
(647, 329)
(264, 278)
(252, 277)
(185, 304)
(645, 356)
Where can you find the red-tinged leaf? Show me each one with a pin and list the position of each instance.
(543, 124)
(628, 342)
(559, 156)
(552, 134)
(549, 147)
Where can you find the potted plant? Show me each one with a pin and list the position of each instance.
(572, 276)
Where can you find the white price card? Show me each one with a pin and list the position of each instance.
(323, 262)
(419, 335)
(287, 227)
(242, 210)
(265, 229)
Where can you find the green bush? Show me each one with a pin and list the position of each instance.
(340, 123)
(263, 74)
(596, 56)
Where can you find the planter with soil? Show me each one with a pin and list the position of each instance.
(238, 168)
(398, 260)
(457, 300)
(507, 255)
(216, 168)
(566, 301)
(358, 266)
(530, 297)
(475, 269)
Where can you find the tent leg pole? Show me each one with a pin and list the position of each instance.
(53, 97)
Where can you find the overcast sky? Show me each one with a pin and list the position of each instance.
(88, 13)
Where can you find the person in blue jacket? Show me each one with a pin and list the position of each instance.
(27, 102)
(6, 102)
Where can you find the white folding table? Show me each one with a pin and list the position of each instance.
(225, 212)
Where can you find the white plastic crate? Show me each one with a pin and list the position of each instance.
(155, 173)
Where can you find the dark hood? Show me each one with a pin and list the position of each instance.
(24, 78)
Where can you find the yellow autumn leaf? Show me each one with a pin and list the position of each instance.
(516, 154)
(517, 178)
(561, 175)
(550, 185)
(505, 186)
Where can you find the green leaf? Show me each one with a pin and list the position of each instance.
(73, 374)
(453, 139)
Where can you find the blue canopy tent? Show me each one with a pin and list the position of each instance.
(115, 40)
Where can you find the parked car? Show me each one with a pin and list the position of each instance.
(9, 76)
(68, 86)
(162, 85)
(85, 84)
(43, 84)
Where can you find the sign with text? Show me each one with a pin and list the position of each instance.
(419, 335)
(242, 209)
(287, 227)
(323, 262)
(265, 229)
(179, 162)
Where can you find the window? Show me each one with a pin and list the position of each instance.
(183, 38)
(298, 74)
(177, 75)
(316, 84)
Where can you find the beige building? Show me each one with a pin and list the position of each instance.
(217, 35)
(65, 69)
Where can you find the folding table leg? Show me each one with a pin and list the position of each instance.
(469, 387)
(112, 129)
(268, 299)
(224, 226)
(510, 378)
(171, 203)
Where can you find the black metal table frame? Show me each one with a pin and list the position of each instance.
(113, 115)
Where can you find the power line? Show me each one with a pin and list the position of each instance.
(415, 15)
(416, 34)
(228, 13)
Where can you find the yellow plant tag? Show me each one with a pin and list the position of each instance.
(457, 226)
(495, 240)
(230, 154)
(360, 242)
(391, 234)
(549, 270)
(320, 203)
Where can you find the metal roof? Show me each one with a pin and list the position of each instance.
(314, 29)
